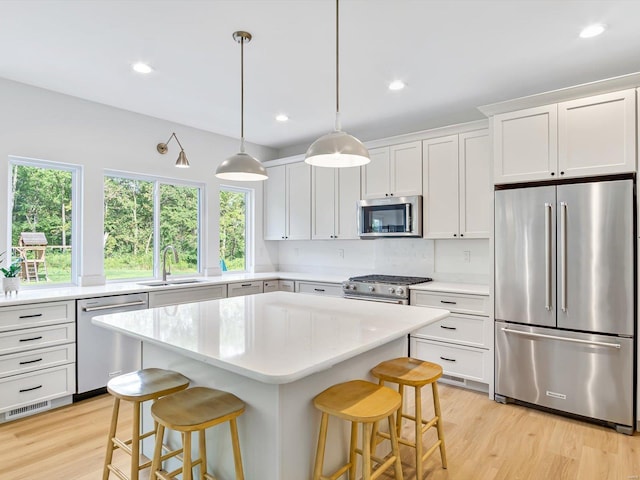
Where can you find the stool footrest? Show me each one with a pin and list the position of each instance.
(117, 472)
(124, 446)
(431, 450)
(337, 474)
(413, 418)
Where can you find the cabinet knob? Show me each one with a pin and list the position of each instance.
(462, 234)
(386, 194)
(561, 173)
(391, 194)
(455, 234)
(553, 173)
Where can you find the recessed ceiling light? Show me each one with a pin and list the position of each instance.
(592, 30)
(282, 118)
(141, 67)
(397, 85)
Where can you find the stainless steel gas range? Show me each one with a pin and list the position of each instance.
(381, 288)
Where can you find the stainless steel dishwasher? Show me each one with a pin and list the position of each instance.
(102, 354)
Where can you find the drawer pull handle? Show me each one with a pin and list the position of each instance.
(30, 389)
(448, 359)
(30, 339)
(448, 302)
(245, 285)
(448, 328)
(319, 289)
(31, 316)
(27, 362)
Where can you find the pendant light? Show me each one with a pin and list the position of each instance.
(337, 149)
(241, 166)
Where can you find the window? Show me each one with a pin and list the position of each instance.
(142, 216)
(235, 221)
(44, 220)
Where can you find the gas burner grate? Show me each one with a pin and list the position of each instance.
(390, 279)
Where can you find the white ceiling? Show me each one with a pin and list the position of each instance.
(454, 55)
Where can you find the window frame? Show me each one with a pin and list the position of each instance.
(157, 181)
(249, 226)
(77, 182)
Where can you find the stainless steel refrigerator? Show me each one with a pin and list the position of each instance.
(564, 298)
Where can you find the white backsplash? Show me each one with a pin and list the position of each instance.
(443, 260)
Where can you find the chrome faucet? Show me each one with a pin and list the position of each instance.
(164, 261)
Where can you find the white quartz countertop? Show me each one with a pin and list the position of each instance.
(277, 337)
(468, 288)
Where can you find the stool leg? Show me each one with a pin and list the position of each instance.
(366, 451)
(187, 466)
(322, 439)
(135, 442)
(353, 445)
(399, 414)
(203, 454)
(418, 429)
(237, 458)
(157, 453)
(112, 433)
(436, 406)
(394, 449)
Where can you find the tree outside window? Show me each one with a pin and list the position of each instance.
(234, 223)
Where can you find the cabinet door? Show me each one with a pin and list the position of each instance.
(475, 184)
(274, 204)
(323, 195)
(299, 201)
(440, 205)
(346, 209)
(375, 175)
(597, 135)
(406, 169)
(525, 145)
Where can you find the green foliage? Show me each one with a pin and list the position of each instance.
(233, 229)
(13, 270)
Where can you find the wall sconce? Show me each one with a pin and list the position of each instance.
(182, 161)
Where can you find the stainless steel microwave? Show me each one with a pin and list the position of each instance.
(390, 217)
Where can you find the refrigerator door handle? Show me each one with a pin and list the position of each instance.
(564, 339)
(548, 214)
(563, 256)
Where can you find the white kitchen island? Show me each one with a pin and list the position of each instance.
(276, 351)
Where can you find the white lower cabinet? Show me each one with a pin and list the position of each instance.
(270, 286)
(186, 295)
(317, 288)
(244, 288)
(286, 285)
(37, 358)
(462, 343)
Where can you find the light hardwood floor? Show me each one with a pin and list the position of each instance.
(485, 441)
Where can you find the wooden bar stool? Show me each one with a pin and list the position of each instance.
(362, 402)
(195, 410)
(414, 373)
(137, 387)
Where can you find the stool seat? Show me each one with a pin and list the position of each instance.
(358, 401)
(196, 408)
(146, 384)
(408, 371)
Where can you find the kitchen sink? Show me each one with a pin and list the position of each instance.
(164, 283)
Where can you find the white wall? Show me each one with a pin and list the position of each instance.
(40, 124)
(442, 260)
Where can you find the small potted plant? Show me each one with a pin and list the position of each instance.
(11, 281)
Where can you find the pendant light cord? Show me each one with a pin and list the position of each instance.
(241, 94)
(338, 126)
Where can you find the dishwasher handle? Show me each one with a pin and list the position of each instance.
(113, 305)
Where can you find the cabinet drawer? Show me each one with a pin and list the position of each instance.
(286, 285)
(270, 286)
(30, 338)
(332, 289)
(36, 359)
(455, 302)
(37, 386)
(464, 362)
(244, 288)
(23, 316)
(470, 330)
(186, 295)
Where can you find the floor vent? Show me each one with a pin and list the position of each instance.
(451, 378)
(28, 410)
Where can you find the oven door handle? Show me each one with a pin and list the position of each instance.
(398, 301)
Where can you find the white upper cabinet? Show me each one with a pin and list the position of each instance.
(335, 193)
(457, 186)
(589, 136)
(597, 135)
(393, 171)
(287, 202)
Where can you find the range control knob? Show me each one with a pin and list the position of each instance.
(372, 288)
(392, 290)
(400, 291)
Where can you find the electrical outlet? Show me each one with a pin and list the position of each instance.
(467, 256)
(341, 252)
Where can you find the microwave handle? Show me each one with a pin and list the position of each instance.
(407, 217)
